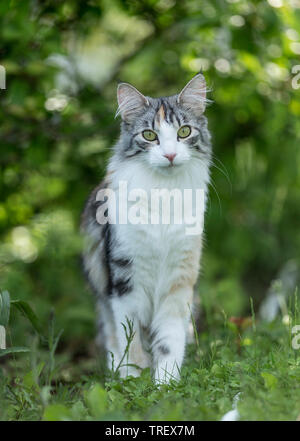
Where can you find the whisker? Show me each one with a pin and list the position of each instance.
(225, 171)
(226, 176)
(220, 206)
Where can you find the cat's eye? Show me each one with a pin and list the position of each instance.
(184, 131)
(149, 135)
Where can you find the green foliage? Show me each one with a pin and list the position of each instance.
(5, 304)
(96, 400)
(27, 312)
(265, 376)
(4, 308)
(12, 350)
(57, 126)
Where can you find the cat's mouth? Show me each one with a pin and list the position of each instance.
(170, 169)
(172, 165)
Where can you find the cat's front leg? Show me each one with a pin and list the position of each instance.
(169, 331)
(132, 356)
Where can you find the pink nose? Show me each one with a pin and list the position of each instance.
(170, 157)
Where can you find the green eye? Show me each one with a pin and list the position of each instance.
(184, 131)
(149, 135)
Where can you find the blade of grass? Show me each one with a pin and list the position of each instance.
(4, 308)
(13, 350)
(28, 312)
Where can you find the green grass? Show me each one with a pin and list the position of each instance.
(50, 383)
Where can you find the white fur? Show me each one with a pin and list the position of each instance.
(168, 145)
(157, 251)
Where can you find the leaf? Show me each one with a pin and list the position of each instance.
(270, 380)
(233, 327)
(4, 308)
(57, 412)
(79, 411)
(2, 337)
(13, 350)
(60, 412)
(28, 312)
(31, 378)
(96, 400)
(246, 342)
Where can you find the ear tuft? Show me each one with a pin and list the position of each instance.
(193, 95)
(131, 102)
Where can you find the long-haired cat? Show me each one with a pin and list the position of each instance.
(144, 273)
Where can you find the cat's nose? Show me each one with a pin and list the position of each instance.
(170, 157)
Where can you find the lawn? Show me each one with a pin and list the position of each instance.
(231, 356)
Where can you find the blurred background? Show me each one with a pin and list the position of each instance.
(63, 60)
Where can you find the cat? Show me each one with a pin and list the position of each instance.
(144, 274)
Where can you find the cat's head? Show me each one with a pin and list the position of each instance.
(165, 132)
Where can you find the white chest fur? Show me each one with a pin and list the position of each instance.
(163, 254)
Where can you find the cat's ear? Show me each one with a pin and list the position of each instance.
(193, 95)
(131, 102)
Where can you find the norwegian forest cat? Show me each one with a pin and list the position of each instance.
(143, 273)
